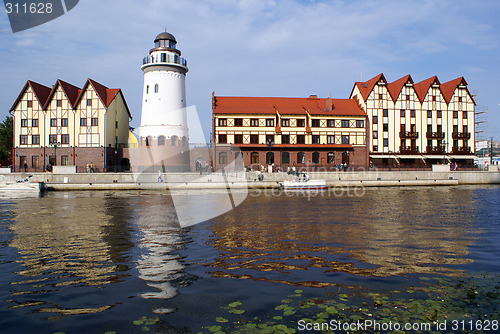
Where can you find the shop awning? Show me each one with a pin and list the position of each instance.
(411, 157)
(462, 157)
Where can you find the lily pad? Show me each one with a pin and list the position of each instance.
(221, 319)
(235, 304)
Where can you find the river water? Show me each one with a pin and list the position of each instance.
(96, 262)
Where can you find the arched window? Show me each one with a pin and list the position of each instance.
(254, 158)
(223, 158)
(315, 158)
(173, 141)
(330, 158)
(301, 157)
(285, 158)
(156, 88)
(161, 140)
(149, 140)
(147, 89)
(269, 158)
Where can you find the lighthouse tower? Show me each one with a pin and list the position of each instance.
(164, 132)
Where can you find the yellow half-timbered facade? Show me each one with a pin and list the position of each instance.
(69, 126)
(417, 123)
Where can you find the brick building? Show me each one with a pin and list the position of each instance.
(308, 133)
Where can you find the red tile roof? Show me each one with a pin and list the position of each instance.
(285, 106)
(365, 88)
(69, 90)
(74, 94)
(396, 87)
(448, 88)
(422, 87)
(41, 93)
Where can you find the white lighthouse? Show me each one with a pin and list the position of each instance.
(164, 131)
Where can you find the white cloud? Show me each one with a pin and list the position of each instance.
(250, 47)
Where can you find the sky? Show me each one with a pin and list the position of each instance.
(283, 48)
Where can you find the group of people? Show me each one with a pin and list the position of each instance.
(89, 168)
(343, 167)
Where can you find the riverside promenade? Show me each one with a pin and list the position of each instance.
(154, 181)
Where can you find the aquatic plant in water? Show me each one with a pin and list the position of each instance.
(431, 300)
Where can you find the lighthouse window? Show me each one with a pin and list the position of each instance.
(149, 139)
(156, 88)
(163, 57)
(173, 141)
(147, 89)
(161, 140)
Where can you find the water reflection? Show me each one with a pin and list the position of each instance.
(68, 242)
(331, 238)
(161, 235)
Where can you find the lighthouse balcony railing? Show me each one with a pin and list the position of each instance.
(164, 59)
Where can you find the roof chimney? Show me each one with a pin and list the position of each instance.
(329, 104)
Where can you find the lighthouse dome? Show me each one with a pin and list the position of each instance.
(165, 36)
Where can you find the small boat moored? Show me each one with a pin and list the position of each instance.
(303, 183)
(26, 185)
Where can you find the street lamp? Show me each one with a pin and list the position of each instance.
(390, 160)
(444, 151)
(269, 144)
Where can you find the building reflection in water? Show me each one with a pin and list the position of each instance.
(161, 236)
(63, 241)
(388, 231)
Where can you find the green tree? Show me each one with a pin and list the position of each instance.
(6, 144)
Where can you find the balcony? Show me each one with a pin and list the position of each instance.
(408, 135)
(434, 150)
(461, 150)
(460, 135)
(435, 135)
(164, 59)
(409, 150)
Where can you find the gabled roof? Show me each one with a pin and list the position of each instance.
(286, 106)
(448, 88)
(105, 94)
(422, 87)
(73, 93)
(365, 88)
(41, 93)
(69, 90)
(396, 87)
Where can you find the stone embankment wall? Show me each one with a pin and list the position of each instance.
(128, 181)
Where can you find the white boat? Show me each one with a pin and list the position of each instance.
(301, 184)
(22, 186)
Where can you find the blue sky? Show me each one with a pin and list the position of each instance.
(261, 48)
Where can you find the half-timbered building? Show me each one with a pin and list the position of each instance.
(305, 133)
(69, 126)
(417, 123)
